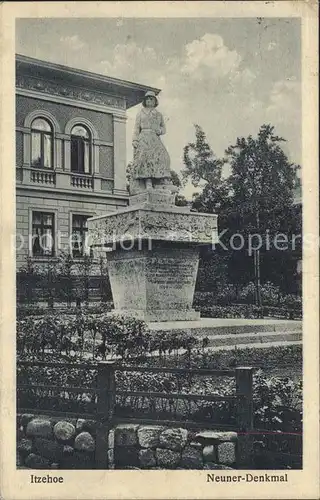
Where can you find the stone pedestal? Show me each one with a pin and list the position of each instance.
(153, 253)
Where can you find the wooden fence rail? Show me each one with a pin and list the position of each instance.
(106, 391)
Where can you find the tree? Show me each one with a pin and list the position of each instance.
(203, 167)
(262, 184)
(180, 199)
(262, 181)
(256, 198)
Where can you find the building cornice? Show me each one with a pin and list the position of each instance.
(46, 87)
(72, 102)
(131, 93)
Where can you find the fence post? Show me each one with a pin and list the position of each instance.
(244, 390)
(105, 408)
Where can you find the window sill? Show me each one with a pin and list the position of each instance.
(41, 167)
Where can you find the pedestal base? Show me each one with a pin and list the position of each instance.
(155, 284)
(153, 255)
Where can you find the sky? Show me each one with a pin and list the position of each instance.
(228, 75)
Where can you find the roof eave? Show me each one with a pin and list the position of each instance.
(131, 91)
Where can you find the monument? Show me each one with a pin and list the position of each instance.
(152, 245)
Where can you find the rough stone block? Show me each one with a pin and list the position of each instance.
(167, 459)
(25, 446)
(210, 437)
(196, 445)
(64, 431)
(149, 436)
(78, 460)
(80, 423)
(86, 425)
(84, 442)
(213, 466)
(147, 458)
(39, 428)
(126, 435)
(25, 419)
(191, 458)
(126, 456)
(226, 453)
(174, 439)
(209, 453)
(48, 449)
(34, 461)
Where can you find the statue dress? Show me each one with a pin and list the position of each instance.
(151, 159)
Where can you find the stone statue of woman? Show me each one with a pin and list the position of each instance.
(151, 161)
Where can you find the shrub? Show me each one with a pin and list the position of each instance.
(81, 336)
(277, 403)
(291, 301)
(86, 335)
(232, 311)
(35, 310)
(270, 294)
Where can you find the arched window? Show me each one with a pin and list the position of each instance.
(41, 143)
(80, 150)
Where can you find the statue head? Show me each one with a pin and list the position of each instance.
(150, 100)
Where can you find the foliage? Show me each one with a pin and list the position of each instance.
(105, 287)
(35, 310)
(233, 311)
(84, 268)
(257, 197)
(203, 167)
(82, 336)
(200, 161)
(90, 338)
(278, 403)
(63, 279)
(65, 273)
(291, 301)
(180, 199)
(270, 294)
(28, 280)
(212, 272)
(266, 358)
(261, 172)
(86, 335)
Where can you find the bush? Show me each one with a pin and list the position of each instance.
(232, 311)
(36, 310)
(270, 294)
(82, 336)
(278, 403)
(291, 301)
(86, 335)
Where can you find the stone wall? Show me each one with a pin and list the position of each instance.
(45, 443)
(160, 447)
(56, 443)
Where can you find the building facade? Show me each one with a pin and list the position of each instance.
(70, 154)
